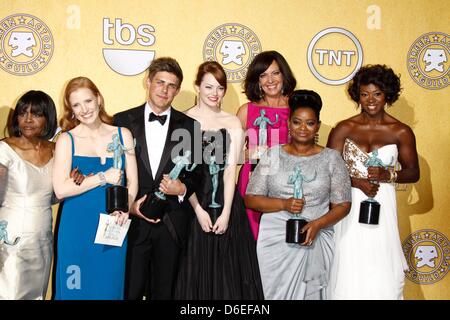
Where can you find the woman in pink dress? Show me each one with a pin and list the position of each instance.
(268, 84)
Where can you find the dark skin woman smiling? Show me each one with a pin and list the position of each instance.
(369, 262)
(298, 271)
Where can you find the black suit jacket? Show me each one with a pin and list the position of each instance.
(183, 133)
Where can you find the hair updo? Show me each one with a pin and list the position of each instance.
(305, 99)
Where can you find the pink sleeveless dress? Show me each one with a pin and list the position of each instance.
(276, 134)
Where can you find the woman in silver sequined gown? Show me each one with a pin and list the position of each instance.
(298, 271)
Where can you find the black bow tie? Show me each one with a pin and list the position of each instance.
(162, 119)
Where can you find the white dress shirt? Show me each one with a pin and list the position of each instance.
(155, 135)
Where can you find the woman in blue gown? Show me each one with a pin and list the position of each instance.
(85, 270)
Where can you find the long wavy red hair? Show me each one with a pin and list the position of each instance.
(68, 121)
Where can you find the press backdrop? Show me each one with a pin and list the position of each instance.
(45, 43)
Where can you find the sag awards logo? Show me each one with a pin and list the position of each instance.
(428, 62)
(428, 255)
(127, 62)
(334, 55)
(234, 46)
(26, 44)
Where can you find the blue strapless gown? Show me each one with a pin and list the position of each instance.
(85, 270)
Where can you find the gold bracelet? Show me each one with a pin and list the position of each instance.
(393, 175)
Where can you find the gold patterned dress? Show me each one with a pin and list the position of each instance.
(369, 262)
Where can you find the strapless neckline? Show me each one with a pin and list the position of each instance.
(367, 153)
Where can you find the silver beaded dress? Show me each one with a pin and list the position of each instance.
(291, 271)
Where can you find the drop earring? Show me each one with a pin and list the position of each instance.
(261, 95)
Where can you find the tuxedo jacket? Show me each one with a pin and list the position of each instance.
(177, 215)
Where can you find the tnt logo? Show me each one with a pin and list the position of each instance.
(127, 62)
(334, 55)
(428, 255)
(26, 44)
(234, 46)
(428, 62)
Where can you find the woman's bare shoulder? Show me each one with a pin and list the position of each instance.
(347, 124)
(242, 109)
(233, 121)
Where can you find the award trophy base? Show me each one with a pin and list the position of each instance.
(293, 228)
(253, 165)
(369, 212)
(153, 206)
(116, 199)
(214, 213)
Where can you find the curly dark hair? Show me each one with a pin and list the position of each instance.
(379, 75)
(305, 99)
(259, 64)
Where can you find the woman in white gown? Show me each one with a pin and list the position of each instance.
(369, 262)
(26, 160)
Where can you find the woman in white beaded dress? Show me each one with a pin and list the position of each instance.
(26, 160)
(291, 271)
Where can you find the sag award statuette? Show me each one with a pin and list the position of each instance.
(117, 195)
(295, 225)
(153, 206)
(262, 121)
(369, 210)
(214, 208)
(4, 234)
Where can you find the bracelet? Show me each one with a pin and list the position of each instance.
(101, 175)
(393, 175)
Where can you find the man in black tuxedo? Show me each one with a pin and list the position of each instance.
(162, 133)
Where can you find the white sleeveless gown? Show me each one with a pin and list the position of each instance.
(369, 261)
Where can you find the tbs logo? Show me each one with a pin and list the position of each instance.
(127, 62)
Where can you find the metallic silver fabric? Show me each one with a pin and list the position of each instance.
(291, 271)
(25, 267)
